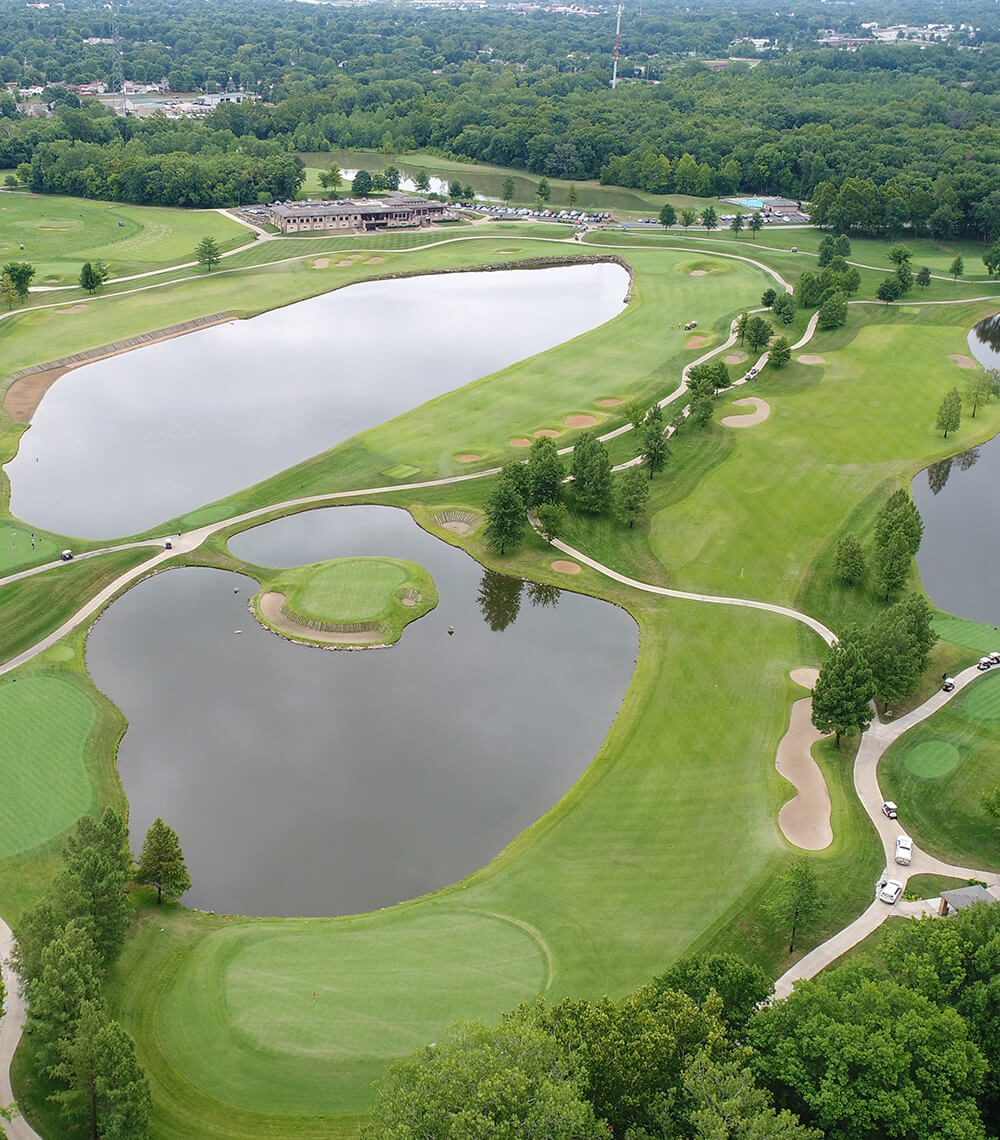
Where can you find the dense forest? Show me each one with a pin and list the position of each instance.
(916, 127)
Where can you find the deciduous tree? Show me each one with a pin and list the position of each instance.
(655, 452)
(591, 470)
(741, 985)
(668, 215)
(841, 700)
(833, 312)
(981, 388)
(545, 473)
(923, 277)
(850, 563)
(688, 218)
(784, 308)
(768, 297)
(710, 218)
(161, 862)
(756, 223)
(957, 269)
(780, 353)
(758, 333)
(552, 519)
(797, 900)
(889, 289)
(633, 495)
(20, 274)
(207, 252)
(949, 415)
(736, 225)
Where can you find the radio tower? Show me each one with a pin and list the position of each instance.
(117, 72)
(618, 39)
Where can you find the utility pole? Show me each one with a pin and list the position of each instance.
(117, 71)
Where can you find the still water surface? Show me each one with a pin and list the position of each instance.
(309, 782)
(959, 504)
(120, 445)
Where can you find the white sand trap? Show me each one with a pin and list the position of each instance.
(270, 608)
(562, 567)
(521, 442)
(373, 260)
(321, 263)
(468, 457)
(699, 272)
(610, 402)
(761, 410)
(805, 819)
(696, 341)
(807, 359)
(735, 358)
(345, 262)
(962, 361)
(455, 527)
(580, 421)
(72, 309)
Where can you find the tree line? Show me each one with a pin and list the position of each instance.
(901, 1045)
(66, 944)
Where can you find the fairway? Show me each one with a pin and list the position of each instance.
(46, 723)
(271, 1016)
(59, 234)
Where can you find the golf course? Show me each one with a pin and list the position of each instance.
(669, 842)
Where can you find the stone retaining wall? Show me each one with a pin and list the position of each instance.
(330, 626)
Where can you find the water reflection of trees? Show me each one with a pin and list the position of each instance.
(499, 599)
(938, 473)
(988, 331)
(541, 595)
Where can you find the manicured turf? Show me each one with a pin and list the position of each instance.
(943, 812)
(350, 589)
(932, 759)
(46, 723)
(60, 234)
(668, 842)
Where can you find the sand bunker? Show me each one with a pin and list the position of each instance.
(761, 410)
(610, 402)
(356, 257)
(468, 457)
(565, 567)
(521, 442)
(270, 608)
(548, 433)
(735, 358)
(806, 359)
(83, 309)
(580, 421)
(321, 263)
(805, 819)
(699, 272)
(962, 361)
(342, 263)
(696, 341)
(458, 521)
(373, 260)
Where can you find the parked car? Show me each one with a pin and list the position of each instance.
(948, 685)
(984, 664)
(889, 809)
(904, 850)
(890, 891)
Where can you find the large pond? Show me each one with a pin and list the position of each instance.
(120, 445)
(308, 782)
(958, 501)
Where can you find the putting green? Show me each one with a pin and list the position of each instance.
(932, 759)
(269, 1016)
(45, 787)
(349, 589)
(982, 703)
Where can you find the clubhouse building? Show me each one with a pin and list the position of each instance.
(354, 215)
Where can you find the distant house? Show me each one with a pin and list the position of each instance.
(356, 215)
(960, 898)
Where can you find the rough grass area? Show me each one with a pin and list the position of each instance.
(59, 234)
(942, 805)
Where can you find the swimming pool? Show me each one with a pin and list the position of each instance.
(749, 203)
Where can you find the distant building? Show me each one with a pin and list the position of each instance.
(356, 215)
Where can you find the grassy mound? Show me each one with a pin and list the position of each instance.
(376, 597)
(932, 759)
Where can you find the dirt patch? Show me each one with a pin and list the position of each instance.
(548, 433)
(807, 359)
(22, 398)
(580, 421)
(270, 607)
(562, 567)
(610, 402)
(343, 263)
(321, 263)
(373, 260)
(520, 442)
(735, 358)
(805, 819)
(761, 410)
(72, 309)
(696, 341)
(699, 272)
(468, 457)
(962, 361)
